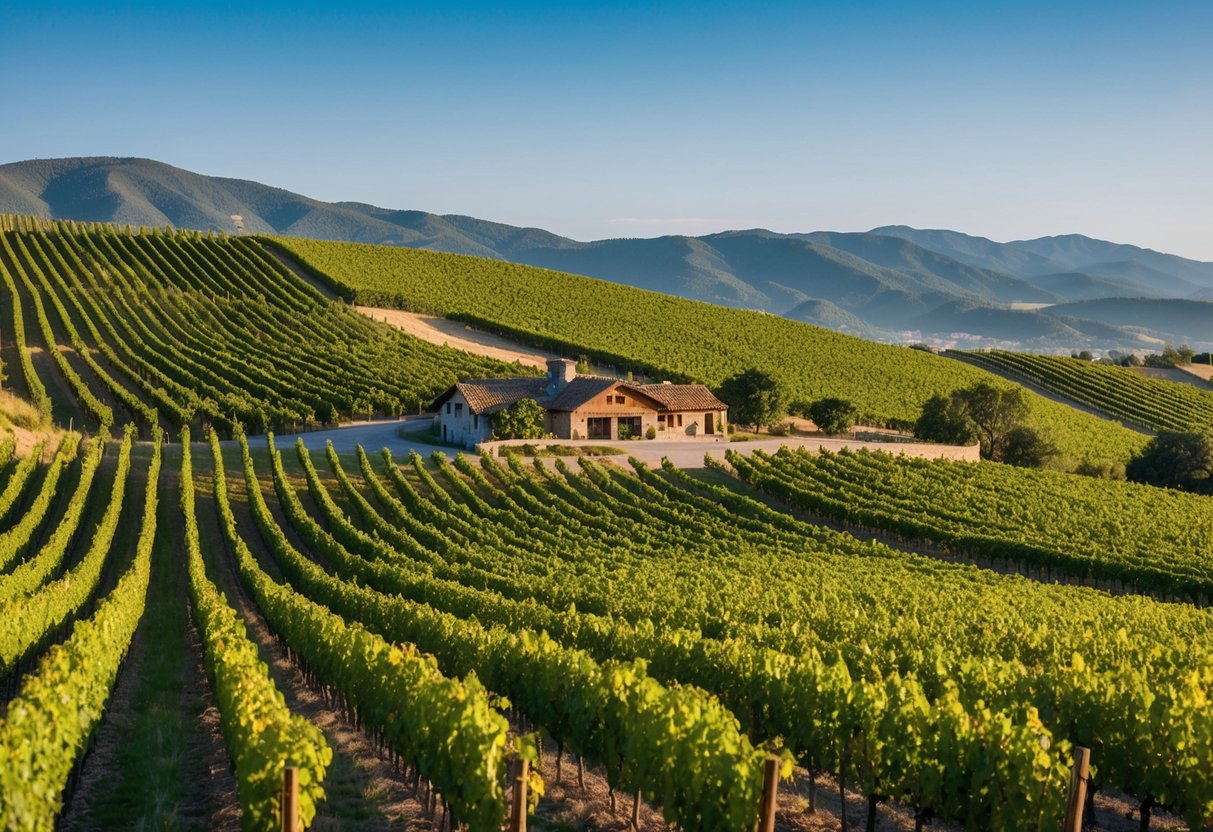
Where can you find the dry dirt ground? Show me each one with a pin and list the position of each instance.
(443, 331)
(1204, 371)
(1197, 375)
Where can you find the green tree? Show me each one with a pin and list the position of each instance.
(1175, 460)
(1027, 448)
(754, 398)
(833, 416)
(521, 420)
(944, 420)
(981, 412)
(995, 412)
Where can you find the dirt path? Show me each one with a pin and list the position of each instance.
(445, 332)
(1201, 371)
(1195, 375)
(159, 760)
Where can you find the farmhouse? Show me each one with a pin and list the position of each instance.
(581, 407)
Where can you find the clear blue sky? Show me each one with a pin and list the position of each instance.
(638, 119)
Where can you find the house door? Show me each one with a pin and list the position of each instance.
(598, 427)
(629, 427)
(709, 424)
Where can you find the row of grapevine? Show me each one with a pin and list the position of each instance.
(21, 476)
(96, 409)
(1154, 540)
(190, 328)
(668, 337)
(15, 540)
(29, 623)
(1119, 391)
(261, 732)
(794, 626)
(445, 728)
(767, 689)
(34, 386)
(49, 724)
(666, 742)
(31, 573)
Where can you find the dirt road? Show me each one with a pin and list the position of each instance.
(455, 334)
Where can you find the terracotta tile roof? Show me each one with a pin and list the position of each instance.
(681, 396)
(488, 395)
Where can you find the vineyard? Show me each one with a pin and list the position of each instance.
(1128, 536)
(801, 633)
(667, 337)
(170, 329)
(1118, 391)
(190, 612)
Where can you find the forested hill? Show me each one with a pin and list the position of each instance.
(894, 283)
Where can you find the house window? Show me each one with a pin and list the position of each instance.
(448, 408)
(620, 400)
(458, 409)
(679, 420)
(599, 427)
(476, 421)
(629, 427)
(661, 418)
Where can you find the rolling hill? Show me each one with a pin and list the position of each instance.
(665, 337)
(900, 283)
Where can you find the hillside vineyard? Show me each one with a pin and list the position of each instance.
(1128, 536)
(672, 630)
(1153, 403)
(164, 328)
(668, 337)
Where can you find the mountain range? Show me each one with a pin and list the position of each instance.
(893, 283)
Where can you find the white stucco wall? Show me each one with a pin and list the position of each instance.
(457, 424)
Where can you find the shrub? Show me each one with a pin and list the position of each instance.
(833, 416)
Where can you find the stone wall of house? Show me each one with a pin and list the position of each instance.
(690, 424)
(458, 424)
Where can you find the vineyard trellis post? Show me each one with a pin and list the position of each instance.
(518, 797)
(290, 799)
(770, 794)
(1077, 799)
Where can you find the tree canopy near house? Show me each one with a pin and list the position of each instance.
(754, 398)
(991, 415)
(521, 420)
(833, 415)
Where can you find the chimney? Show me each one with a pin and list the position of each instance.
(560, 372)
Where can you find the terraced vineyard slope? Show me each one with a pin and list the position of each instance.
(1117, 391)
(668, 337)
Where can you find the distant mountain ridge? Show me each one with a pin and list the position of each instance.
(891, 283)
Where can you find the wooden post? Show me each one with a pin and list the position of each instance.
(770, 794)
(290, 799)
(518, 799)
(1078, 790)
